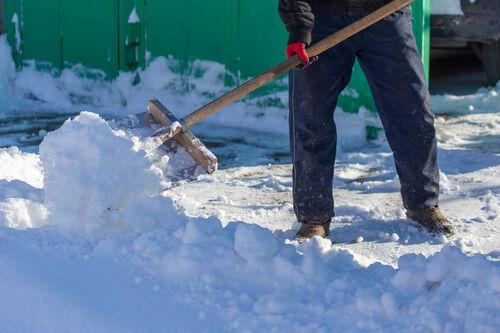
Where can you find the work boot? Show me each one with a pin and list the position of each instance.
(433, 220)
(314, 228)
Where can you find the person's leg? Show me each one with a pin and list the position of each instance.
(313, 97)
(392, 63)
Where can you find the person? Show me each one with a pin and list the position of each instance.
(388, 55)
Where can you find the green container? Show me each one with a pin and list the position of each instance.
(123, 35)
(89, 31)
(2, 14)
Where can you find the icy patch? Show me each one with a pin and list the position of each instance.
(474, 121)
(275, 183)
(478, 131)
(93, 173)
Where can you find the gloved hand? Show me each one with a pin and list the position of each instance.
(299, 49)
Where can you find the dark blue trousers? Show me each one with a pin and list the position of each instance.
(389, 57)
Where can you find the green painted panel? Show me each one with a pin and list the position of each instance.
(90, 34)
(192, 29)
(166, 28)
(13, 7)
(131, 34)
(40, 33)
(262, 45)
(2, 16)
(422, 27)
(211, 35)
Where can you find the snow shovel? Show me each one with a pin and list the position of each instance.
(178, 129)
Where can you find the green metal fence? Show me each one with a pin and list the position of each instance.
(2, 16)
(122, 35)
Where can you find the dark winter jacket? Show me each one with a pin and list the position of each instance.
(298, 15)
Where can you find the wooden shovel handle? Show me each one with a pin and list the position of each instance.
(291, 63)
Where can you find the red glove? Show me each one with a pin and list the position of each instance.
(299, 49)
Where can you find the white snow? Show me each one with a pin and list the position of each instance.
(17, 31)
(15, 165)
(485, 100)
(446, 7)
(86, 156)
(133, 17)
(90, 242)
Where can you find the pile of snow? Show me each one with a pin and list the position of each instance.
(15, 165)
(105, 251)
(104, 173)
(484, 100)
(194, 275)
(21, 197)
(446, 7)
(87, 177)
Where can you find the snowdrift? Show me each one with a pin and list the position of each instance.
(103, 250)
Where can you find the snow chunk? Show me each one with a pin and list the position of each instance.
(17, 165)
(22, 214)
(394, 237)
(253, 242)
(92, 172)
(133, 17)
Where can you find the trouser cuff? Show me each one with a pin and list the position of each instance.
(316, 219)
(429, 203)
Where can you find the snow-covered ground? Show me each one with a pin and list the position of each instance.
(91, 242)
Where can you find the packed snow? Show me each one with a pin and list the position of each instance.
(91, 240)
